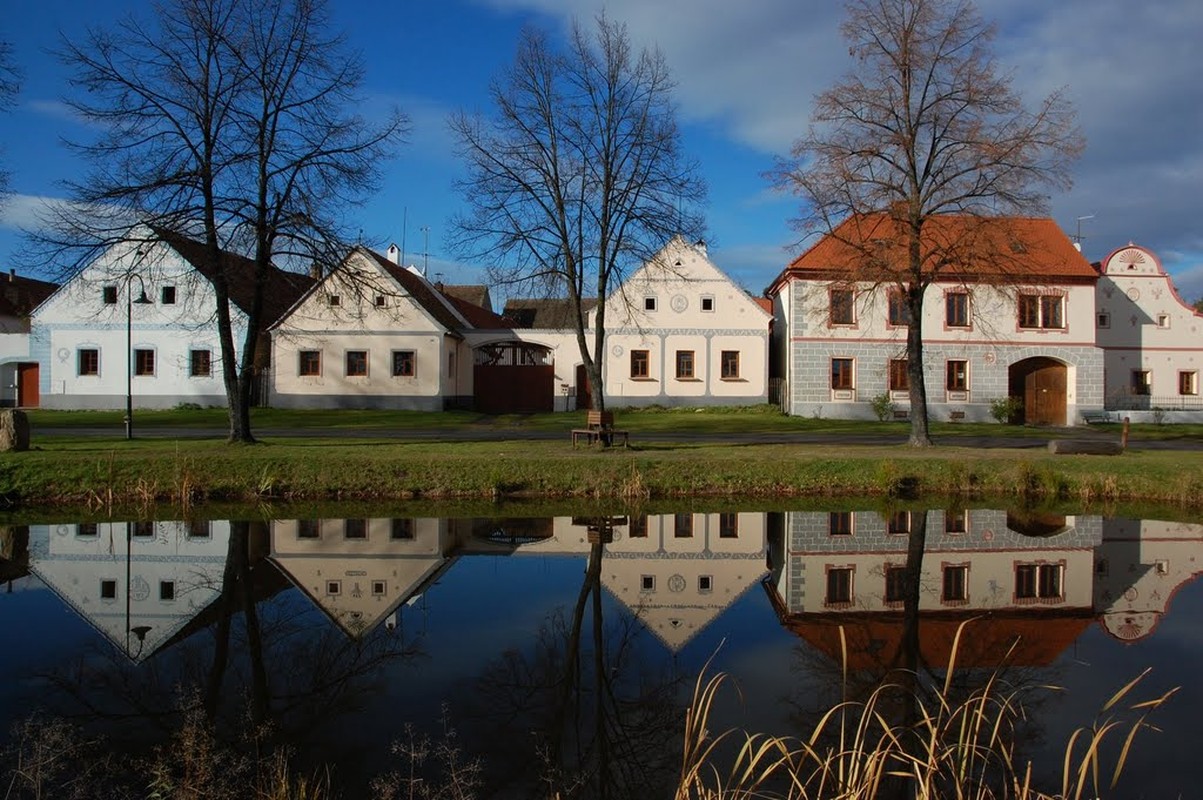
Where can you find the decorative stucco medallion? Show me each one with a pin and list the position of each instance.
(679, 303)
(1133, 293)
(616, 350)
(676, 584)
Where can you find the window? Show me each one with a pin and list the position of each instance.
(198, 529)
(404, 363)
(649, 303)
(899, 313)
(88, 529)
(638, 528)
(683, 526)
(895, 584)
(402, 529)
(144, 529)
(957, 376)
(899, 522)
(167, 295)
(108, 590)
(379, 588)
(355, 528)
(1163, 320)
(729, 364)
(144, 362)
(109, 294)
(842, 310)
(647, 583)
(684, 364)
(639, 364)
(334, 587)
(839, 586)
(707, 302)
(705, 583)
(200, 363)
(1188, 383)
(89, 361)
(1041, 311)
(166, 590)
(357, 363)
(308, 529)
(841, 373)
(900, 377)
(1104, 319)
(839, 523)
(956, 584)
(335, 300)
(728, 526)
(956, 309)
(954, 521)
(1038, 581)
(1142, 381)
(310, 363)
(378, 301)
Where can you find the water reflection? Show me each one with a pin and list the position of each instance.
(564, 646)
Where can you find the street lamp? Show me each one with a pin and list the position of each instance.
(142, 300)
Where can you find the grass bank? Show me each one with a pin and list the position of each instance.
(92, 471)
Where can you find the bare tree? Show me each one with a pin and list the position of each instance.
(227, 120)
(926, 126)
(10, 84)
(578, 176)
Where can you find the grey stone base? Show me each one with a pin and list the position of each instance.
(684, 402)
(356, 401)
(108, 402)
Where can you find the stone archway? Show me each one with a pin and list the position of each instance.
(1041, 383)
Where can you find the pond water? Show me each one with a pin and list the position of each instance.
(563, 651)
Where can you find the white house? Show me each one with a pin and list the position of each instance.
(679, 332)
(141, 319)
(1152, 340)
(374, 334)
(1010, 314)
(19, 374)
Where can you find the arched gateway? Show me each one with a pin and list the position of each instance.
(1041, 383)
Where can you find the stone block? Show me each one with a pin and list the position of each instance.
(14, 430)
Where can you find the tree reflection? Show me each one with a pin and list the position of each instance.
(594, 714)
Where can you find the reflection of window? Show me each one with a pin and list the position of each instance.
(842, 309)
(684, 364)
(682, 526)
(108, 590)
(402, 529)
(728, 526)
(956, 309)
(404, 363)
(839, 523)
(1104, 319)
(705, 583)
(144, 529)
(729, 363)
(1163, 320)
(144, 362)
(899, 522)
(839, 585)
(647, 583)
(166, 590)
(1142, 381)
(200, 363)
(895, 584)
(378, 301)
(379, 588)
(900, 379)
(109, 293)
(1039, 581)
(167, 295)
(89, 361)
(309, 362)
(355, 528)
(334, 587)
(357, 363)
(899, 313)
(1188, 383)
(638, 528)
(639, 364)
(957, 373)
(1035, 523)
(954, 521)
(307, 529)
(87, 529)
(841, 373)
(956, 580)
(198, 528)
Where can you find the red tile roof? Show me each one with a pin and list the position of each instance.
(477, 316)
(971, 248)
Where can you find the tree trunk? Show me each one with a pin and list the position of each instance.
(914, 367)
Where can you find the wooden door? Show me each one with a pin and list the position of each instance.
(1044, 396)
(584, 398)
(27, 386)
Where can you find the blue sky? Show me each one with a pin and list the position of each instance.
(746, 74)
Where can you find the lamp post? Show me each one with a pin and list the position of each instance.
(142, 300)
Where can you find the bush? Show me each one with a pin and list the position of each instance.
(1006, 409)
(883, 406)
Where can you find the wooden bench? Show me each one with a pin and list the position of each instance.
(599, 426)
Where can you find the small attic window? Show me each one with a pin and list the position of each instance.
(1104, 319)
(707, 302)
(336, 300)
(167, 296)
(110, 295)
(649, 303)
(1163, 320)
(378, 301)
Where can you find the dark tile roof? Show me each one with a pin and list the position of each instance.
(551, 314)
(475, 293)
(477, 316)
(421, 291)
(19, 296)
(281, 288)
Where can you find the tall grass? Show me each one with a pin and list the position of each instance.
(944, 747)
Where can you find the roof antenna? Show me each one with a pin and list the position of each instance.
(404, 226)
(1078, 235)
(425, 229)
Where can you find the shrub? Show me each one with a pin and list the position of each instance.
(1006, 409)
(883, 406)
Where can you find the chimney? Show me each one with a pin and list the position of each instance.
(315, 271)
(394, 254)
(1078, 246)
(12, 276)
(700, 244)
